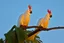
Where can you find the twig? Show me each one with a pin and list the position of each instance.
(43, 29)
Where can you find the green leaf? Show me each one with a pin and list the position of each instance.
(1, 41)
(11, 36)
(27, 32)
(21, 35)
(38, 40)
(37, 37)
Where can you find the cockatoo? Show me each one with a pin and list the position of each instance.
(45, 21)
(25, 18)
(42, 22)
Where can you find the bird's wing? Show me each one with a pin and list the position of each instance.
(41, 20)
(21, 19)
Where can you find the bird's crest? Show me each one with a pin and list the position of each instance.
(49, 11)
(29, 6)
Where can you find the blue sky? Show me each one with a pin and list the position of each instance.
(10, 10)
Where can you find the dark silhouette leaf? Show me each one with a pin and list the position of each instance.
(21, 35)
(11, 36)
(1, 41)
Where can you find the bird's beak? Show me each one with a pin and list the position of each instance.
(50, 16)
(30, 12)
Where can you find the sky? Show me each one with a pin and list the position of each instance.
(10, 10)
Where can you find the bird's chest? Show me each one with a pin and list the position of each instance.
(26, 19)
(46, 23)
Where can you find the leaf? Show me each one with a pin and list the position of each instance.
(21, 35)
(38, 40)
(27, 32)
(1, 41)
(37, 37)
(11, 36)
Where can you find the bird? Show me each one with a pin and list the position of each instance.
(43, 22)
(24, 18)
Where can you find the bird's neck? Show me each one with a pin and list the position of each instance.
(47, 17)
(27, 12)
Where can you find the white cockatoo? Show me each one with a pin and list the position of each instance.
(24, 18)
(44, 22)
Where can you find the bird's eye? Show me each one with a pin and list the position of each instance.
(50, 16)
(31, 12)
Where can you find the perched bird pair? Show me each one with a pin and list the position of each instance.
(25, 18)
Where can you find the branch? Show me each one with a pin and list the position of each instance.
(39, 29)
(43, 29)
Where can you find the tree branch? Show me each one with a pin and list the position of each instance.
(43, 29)
(39, 29)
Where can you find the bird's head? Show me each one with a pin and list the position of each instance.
(49, 12)
(30, 9)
